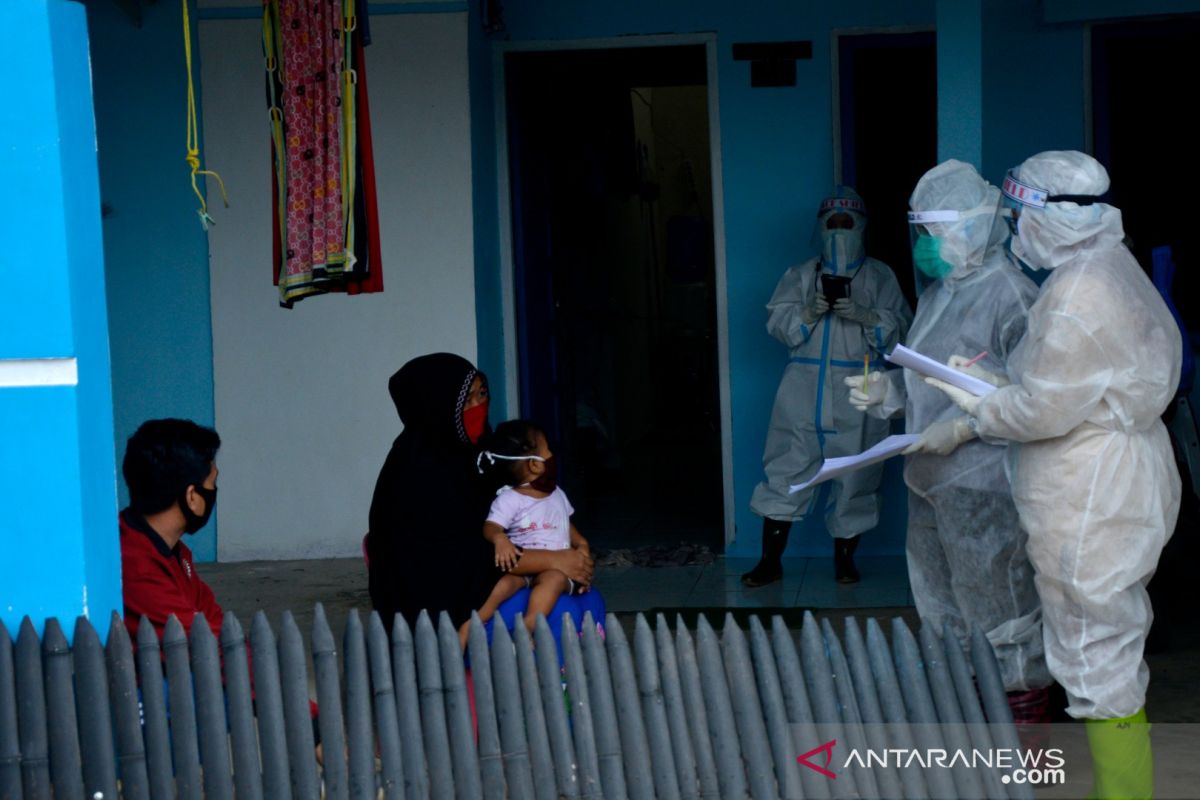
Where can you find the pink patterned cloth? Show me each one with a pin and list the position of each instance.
(311, 35)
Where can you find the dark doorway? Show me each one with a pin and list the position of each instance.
(888, 109)
(1143, 74)
(609, 161)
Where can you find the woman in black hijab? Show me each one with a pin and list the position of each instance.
(425, 544)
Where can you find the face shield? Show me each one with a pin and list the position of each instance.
(839, 234)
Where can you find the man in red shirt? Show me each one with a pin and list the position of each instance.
(172, 480)
(170, 470)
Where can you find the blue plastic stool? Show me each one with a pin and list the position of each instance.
(512, 611)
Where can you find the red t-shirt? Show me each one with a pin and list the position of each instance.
(158, 581)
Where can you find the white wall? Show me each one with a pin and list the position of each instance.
(301, 395)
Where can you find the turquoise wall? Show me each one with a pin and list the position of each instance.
(777, 163)
(57, 472)
(156, 252)
(1033, 91)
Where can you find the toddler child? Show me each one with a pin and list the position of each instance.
(530, 511)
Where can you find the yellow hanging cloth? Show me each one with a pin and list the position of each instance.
(193, 130)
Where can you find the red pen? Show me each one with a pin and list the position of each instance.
(973, 360)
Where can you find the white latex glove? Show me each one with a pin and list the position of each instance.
(848, 309)
(962, 398)
(975, 371)
(816, 308)
(874, 394)
(942, 438)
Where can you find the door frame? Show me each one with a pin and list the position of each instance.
(504, 211)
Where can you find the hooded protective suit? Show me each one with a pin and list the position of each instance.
(1094, 480)
(811, 419)
(966, 549)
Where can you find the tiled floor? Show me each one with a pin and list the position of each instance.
(807, 583)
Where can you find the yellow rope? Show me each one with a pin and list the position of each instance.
(193, 130)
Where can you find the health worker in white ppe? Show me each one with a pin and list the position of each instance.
(966, 549)
(832, 312)
(1094, 479)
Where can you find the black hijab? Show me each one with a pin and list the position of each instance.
(425, 543)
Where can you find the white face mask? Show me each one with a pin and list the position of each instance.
(492, 458)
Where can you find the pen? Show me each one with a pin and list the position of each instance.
(866, 367)
(976, 358)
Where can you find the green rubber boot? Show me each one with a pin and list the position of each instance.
(1122, 763)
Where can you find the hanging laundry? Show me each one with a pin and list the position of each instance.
(323, 200)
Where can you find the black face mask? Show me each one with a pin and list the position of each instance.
(193, 522)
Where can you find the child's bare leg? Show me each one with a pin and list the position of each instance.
(505, 588)
(548, 586)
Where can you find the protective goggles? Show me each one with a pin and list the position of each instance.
(1017, 194)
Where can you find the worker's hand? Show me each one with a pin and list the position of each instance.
(507, 554)
(942, 438)
(848, 309)
(817, 307)
(975, 371)
(962, 398)
(874, 393)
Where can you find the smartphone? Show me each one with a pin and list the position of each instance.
(835, 287)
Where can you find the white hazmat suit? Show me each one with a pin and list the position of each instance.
(965, 546)
(1094, 480)
(826, 342)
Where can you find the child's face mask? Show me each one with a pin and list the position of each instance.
(548, 480)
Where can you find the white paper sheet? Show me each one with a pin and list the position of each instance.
(911, 359)
(833, 467)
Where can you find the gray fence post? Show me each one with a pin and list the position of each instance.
(359, 736)
(159, 762)
(544, 783)
(65, 759)
(329, 701)
(408, 709)
(31, 713)
(795, 698)
(672, 691)
(293, 684)
(871, 711)
(268, 693)
(95, 715)
(582, 726)
(554, 704)
(852, 728)
(950, 717)
(210, 711)
(921, 713)
(184, 744)
(123, 695)
(639, 776)
(770, 692)
(467, 781)
(247, 772)
(604, 713)
(654, 711)
(697, 716)
(727, 751)
(391, 758)
(433, 711)
(748, 713)
(491, 754)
